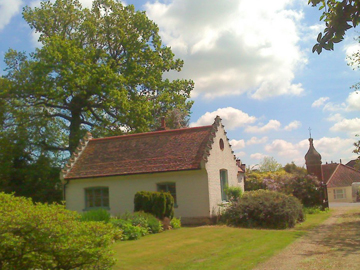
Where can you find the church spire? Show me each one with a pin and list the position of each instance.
(313, 160)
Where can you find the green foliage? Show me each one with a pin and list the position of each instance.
(144, 220)
(314, 210)
(102, 69)
(339, 16)
(255, 179)
(96, 215)
(293, 169)
(129, 231)
(42, 236)
(160, 204)
(269, 164)
(306, 188)
(175, 223)
(265, 209)
(233, 193)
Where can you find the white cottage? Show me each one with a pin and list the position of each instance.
(193, 164)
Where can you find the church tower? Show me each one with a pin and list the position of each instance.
(313, 161)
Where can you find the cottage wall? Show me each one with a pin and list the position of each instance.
(346, 189)
(191, 191)
(220, 159)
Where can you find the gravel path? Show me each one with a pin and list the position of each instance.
(333, 245)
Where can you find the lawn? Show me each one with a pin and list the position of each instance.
(209, 247)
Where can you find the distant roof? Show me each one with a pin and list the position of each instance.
(339, 175)
(351, 163)
(159, 151)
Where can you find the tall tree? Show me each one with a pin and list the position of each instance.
(269, 164)
(339, 16)
(98, 69)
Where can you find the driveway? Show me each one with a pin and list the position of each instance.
(335, 244)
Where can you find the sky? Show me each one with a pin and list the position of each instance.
(252, 65)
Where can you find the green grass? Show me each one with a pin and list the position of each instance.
(209, 247)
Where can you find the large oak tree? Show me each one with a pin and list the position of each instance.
(100, 69)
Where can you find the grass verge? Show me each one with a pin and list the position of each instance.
(209, 247)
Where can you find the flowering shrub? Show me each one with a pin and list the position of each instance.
(42, 236)
(265, 209)
(305, 188)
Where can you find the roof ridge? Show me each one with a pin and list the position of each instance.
(148, 133)
(210, 141)
(350, 168)
(76, 154)
(337, 166)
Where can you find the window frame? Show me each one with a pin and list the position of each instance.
(166, 184)
(223, 184)
(103, 204)
(337, 194)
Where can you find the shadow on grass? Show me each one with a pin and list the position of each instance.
(343, 237)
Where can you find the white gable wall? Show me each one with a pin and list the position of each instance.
(191, 191)
(218, 160)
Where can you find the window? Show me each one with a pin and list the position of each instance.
(223, 184)
(221, 144)
(339, 194)
(168, 187)
(97, 197)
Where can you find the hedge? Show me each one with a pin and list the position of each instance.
(160, 204)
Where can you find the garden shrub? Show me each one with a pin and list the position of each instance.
(160, 204)
(233, 193)
(306, 188)
(96, 215)
(41, 236)
(265, 209)
(145, 220)
(175, 223)
(129, 231)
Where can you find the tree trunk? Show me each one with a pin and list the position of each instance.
(75, 124)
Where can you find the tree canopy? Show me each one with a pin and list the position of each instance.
(339, 16)
(269, 164)
(98, 70)
(101, 70)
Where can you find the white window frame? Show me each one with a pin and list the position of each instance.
(339, 193)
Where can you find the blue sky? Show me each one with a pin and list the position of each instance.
(252, 65)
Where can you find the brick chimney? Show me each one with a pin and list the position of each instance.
(163, 124)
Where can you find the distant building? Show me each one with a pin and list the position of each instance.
(351, 163)
(338, 177)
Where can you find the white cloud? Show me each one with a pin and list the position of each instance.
(283, 148)
(332, 107)
(350, 49)
(257, 156)
(255, 140)
(272, 125)
(8, 9)
(240, 154)
(293, 125)
(331, 149)
(235, 145)
(320, 102)
(351, 126)
(353, 101)
(335, 117)
(230, 47)
(231, 118)
(86, 3)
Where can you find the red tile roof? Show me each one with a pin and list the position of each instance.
(328, 170)
(351, 163)
(339, 175)
(160, 151)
